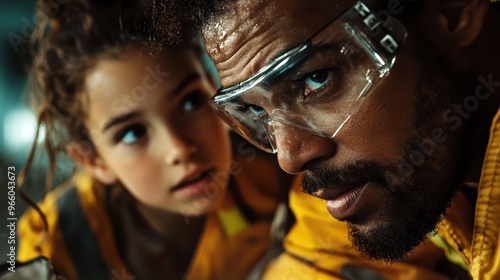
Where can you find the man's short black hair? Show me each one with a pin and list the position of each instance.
(173, 19)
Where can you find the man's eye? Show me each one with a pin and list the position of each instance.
(316, 81)
(256, 110)
(252, 108)
(132, 134)
(194, 101)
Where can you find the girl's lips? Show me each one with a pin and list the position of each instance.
(195, 185)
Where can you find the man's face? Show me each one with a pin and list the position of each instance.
(390, 171)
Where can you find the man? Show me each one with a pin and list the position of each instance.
(389, 108)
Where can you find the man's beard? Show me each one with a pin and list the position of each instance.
(414, 202)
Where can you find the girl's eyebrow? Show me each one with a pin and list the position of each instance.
(119, 119)
(125, 117)
(185, 82)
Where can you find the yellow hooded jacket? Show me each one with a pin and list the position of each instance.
(474, 237)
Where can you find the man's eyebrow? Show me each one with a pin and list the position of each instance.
(321, 49)
(185, 82)
(335, 48)
(119, 119)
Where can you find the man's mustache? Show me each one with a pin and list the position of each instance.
(322, 177)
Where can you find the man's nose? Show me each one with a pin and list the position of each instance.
(299, 150)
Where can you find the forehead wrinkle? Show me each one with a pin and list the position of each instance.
(250, 34)
(269, 48)
(234, 36)
(246, 22)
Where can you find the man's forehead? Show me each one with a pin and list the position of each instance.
(249, 34)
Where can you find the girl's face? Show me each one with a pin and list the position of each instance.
(154, 132)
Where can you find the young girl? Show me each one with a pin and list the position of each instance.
(157, 195)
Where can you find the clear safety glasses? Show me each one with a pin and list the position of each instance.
(318, 85)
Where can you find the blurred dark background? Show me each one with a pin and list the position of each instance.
(17, 120)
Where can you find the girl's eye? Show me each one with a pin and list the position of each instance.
(194, 101)
(132, 134)
(316, 80)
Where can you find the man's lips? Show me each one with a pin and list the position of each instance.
(342, 200)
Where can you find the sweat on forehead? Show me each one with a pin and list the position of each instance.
(250, 34)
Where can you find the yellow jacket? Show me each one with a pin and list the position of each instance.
(80, 241)
(317, 246)
(473, 235)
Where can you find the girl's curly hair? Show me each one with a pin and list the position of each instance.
(68, 39)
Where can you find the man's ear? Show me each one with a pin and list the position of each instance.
(453, 21)
(87, 158)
